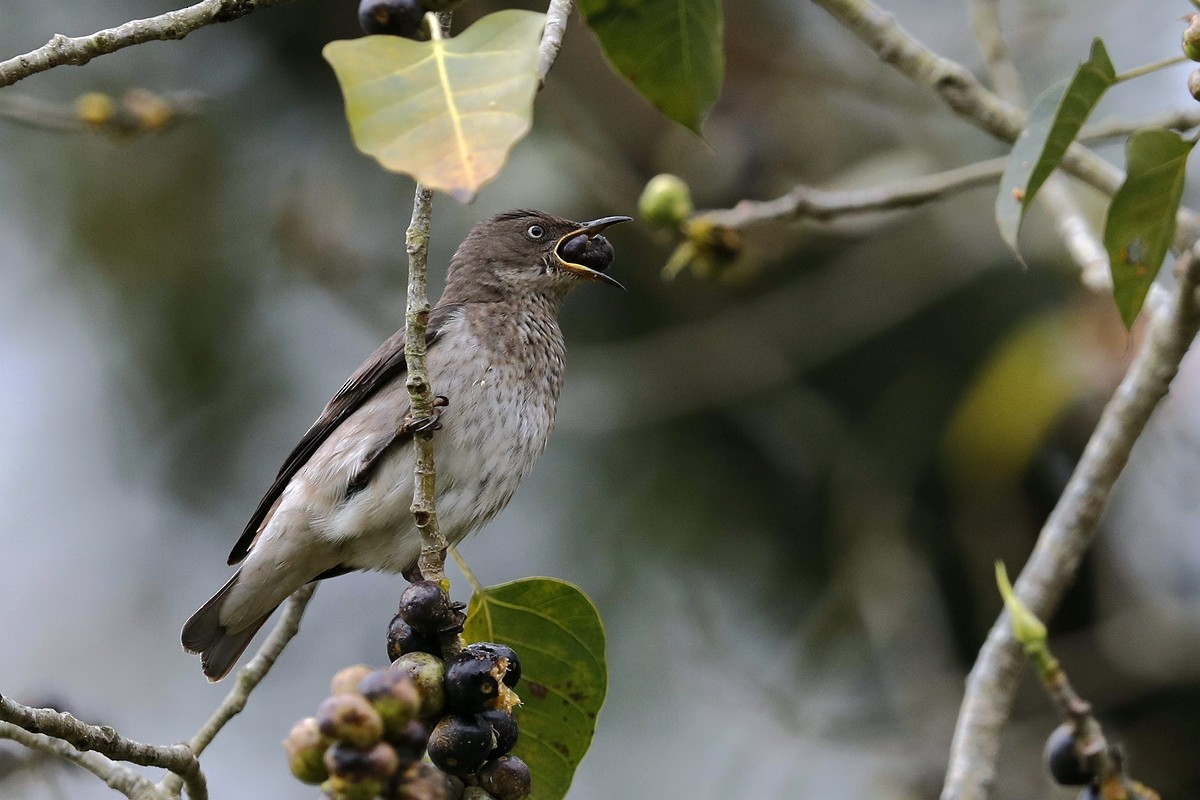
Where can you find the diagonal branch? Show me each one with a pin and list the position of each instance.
(80, 50)
(249, 677)
(177, 758)
(116, 776)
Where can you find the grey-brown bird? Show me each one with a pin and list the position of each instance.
(341, 499)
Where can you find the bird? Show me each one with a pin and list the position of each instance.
(340, 502)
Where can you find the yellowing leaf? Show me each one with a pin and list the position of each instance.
(447, 111)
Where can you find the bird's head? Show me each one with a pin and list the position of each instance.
(530, 252)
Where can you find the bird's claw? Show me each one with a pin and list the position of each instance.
(430, 423)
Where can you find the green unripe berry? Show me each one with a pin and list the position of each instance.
(666, 201)
(1191, 38)
(349, 789)
(305, 746)
(393, 694)
(428, 674)
(351, 719)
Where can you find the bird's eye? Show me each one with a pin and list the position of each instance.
(535, 231)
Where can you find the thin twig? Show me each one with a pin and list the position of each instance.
(432, 561)
(808, 202)
(117, 776)
(249, 677)
(985, 23)
(1068, 532)
(552, 36)
(176, 758)
(1175, 120)
(80, 50)
(138, 112)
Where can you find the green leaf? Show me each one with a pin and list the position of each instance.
(1053, 124)
(670, 50)
(447, 111)
(1141, 219)
(557, 633)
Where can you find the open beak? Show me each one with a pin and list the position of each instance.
(591, 230)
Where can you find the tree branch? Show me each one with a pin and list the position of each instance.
(116, 776)
(177, 758)
(958, 88)
(249, 677)
(808, 202)
(80, 50)
(432, 561)
(552, 36)
(1072, 226)
(139, 111)
(1067, 533)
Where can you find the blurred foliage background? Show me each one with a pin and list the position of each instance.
(785, 490)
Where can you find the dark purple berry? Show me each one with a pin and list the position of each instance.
(473, 679)
(356, 764)
(504, 726)
(506, 778)
(401, 639)
(460, 743)
(512, 672)
(426, 608)
(393, 17)
(410, 741)
(594, 253)
(1065, 765)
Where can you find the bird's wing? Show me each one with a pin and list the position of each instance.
(384, 365)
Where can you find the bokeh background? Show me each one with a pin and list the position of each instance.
(784, 489)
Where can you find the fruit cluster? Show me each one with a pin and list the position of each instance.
(400, 17)
(368, 738)
(1191, 49)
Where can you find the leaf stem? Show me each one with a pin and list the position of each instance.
(476, 586)
(1138, 72)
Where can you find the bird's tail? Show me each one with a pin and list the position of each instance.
(204, 635)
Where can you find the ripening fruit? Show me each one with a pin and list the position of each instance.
(351, 789)
(393, 17)
(424, 781)
(95, 108)
(512, 672)
(401, 639)
(354, 763)
(346, 679)
(1065, 765)
(666, 201)
(428, 674)
(460, 743)
(504, 727)
(1191, 38)
(426, 608)
(506, 778)
(1193, 83)
(473, 680)
(305, 746)
(350, 718)
(394, 695)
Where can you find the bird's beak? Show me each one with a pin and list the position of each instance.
(591, 230)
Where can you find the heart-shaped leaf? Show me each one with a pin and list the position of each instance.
(670, 50)
(558, 636)
(1141, 219)
(447, 111)
(1053, 124)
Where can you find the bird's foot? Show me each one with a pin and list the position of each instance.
(430, 423)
